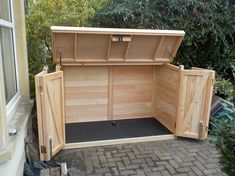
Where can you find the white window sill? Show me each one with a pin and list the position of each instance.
(18, 121)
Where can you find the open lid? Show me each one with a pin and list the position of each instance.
(81, 45)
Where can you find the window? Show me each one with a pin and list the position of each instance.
(8, 55)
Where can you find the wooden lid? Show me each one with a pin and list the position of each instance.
(82, 45)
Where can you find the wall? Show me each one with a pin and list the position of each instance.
(14, 149)
(112, 92)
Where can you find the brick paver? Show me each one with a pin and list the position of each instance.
(164, 158)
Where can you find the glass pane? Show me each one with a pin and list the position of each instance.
(8, 60)
(5, 10)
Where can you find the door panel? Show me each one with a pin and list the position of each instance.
(194, 103)
(167, 94)
(50, 113)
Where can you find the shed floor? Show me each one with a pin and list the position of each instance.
(105, 130)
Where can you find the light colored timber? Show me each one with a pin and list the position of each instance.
(132, 85)
(108, 48)
(167, 88)
(38, 90)
(159, 43)
(110, 94)
(196, 93)
(50, 106)
(97, 64)
(127, 48)
(119, 141)
(91, 30)
(127, 45)
(86, 93)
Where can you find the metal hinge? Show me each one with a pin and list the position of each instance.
(200, 130)
(175, 124)
(43, 149)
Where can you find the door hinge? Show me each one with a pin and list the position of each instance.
(43, 149)
(200, 130)
(50, 143)
(175, 124)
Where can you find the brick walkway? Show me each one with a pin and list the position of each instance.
(173, 157)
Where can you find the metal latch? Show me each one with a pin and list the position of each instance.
(43, 149)
(200, 130)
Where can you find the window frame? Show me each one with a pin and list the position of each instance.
(14, 103)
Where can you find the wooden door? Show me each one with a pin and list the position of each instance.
(50, 113)
(195, 95)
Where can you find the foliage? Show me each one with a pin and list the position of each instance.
(223, 87)
(45, 13)
(225, 143)
(209, 26)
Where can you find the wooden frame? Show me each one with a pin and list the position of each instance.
(112, 74)
(119, 141)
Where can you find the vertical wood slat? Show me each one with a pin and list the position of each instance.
(110, 93)
(180, 105)
(127, 49)
(196, 100)
(167, 88)
(50, 112)
(39, 112)
(154, 91)
(75, 47)
(109, 47)
(208, 103)
(158, 46)
(177, 44)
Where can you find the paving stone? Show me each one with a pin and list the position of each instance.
(127, 172)
(196, 170)
(159, 158)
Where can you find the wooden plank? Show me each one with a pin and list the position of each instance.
(90, 30)
(177, 44)
(158, 45)
(119, 141)
(75, 47)
(110, 63)
(127, 48)
(154, 92)
(38, 92)
(108, 47)
(132, 87)
(94, 45)
(167, 90)
(194, 106)
(86, 88)
(110, 94)
(50, 106)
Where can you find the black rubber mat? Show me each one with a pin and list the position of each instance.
(105, 130)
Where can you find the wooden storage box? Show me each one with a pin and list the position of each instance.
(111, 74)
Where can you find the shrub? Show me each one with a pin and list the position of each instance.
(225, 143)
(223, 87)
(209, 26)
(41, 15)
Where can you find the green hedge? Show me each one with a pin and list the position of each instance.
(209, 26)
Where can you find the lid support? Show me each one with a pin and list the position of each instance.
(158, 46)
